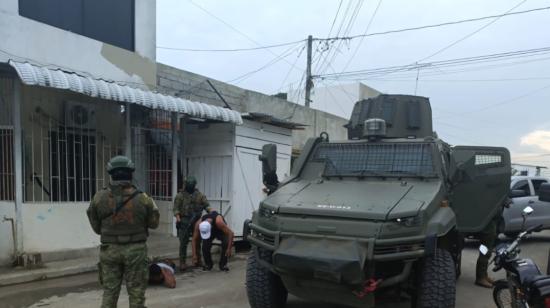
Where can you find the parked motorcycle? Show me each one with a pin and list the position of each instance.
(525, 285)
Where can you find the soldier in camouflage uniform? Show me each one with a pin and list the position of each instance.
(188, 207)
(122, 215)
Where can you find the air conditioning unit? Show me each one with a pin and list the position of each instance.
(80, 115)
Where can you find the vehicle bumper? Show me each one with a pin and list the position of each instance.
(338, 260)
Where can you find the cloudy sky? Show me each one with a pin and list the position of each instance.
(500, 103)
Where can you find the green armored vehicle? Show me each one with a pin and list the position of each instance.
(381, 214)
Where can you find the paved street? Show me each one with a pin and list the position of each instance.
(226, 290)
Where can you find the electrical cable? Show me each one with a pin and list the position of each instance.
(337, 37)
(280, 57)
(442, 63)
(363, 37)
(470, 34)
(240, 32)
(434, 25)
(231, 50)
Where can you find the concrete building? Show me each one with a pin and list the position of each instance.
(335, 99)
(79, 84)
(177, 82)
(76, 81)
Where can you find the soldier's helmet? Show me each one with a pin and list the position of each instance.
(120, 162)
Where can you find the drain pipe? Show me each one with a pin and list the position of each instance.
(13, 235)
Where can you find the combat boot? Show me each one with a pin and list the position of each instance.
(484, 282)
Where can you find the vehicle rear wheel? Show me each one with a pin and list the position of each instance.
(437, 281)
(264, 288)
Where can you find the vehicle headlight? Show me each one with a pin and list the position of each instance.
(265, 212)
(409, 221)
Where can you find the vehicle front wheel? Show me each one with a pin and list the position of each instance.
(437, 281)
(264, 288)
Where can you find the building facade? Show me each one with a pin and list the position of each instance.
(77, 88)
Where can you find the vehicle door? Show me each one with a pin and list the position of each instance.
(541, 213)
(480, 181)
(512, 215)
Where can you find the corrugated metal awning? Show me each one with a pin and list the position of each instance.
(269, 119)
(57, 78)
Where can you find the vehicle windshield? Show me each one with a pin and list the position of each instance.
(367, 159)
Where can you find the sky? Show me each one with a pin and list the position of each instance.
(503, 103)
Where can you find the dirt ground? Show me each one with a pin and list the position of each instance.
(227, 290)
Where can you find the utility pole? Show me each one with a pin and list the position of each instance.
(309, 81)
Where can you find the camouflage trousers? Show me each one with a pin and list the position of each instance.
(488, 238)
(123, 261)
(183, 234)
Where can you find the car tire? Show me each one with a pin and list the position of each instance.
(437, 281)
(263, 288)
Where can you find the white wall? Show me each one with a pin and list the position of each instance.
(7, 209)
(57, 226)
(24, 38)
(247, 175)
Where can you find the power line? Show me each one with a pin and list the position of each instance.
(433, 26)
(362, 38)
(237, 30)
(280, 57)
(504, 102)
(335, 17)
(442, 63)
(231, 50)
(463, 80)
(338, 37)
(328, 48)
(470, 34)
(347, 30)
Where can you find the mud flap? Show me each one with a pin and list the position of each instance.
(337, 261)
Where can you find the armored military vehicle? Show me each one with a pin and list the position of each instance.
(382, 214)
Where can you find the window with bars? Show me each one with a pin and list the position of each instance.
(365, 159)
(152, 153)
(7, 182)
(65, 152)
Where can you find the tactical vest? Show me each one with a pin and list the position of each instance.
(129, 224)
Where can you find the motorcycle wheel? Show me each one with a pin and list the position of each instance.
(503, 297)
(501, 294)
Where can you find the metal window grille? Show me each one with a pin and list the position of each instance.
(376, 159)
(7, 176)
(66, 150)
(152, 152)
(7, 184)
(488, 159)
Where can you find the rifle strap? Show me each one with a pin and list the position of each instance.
(120, 205)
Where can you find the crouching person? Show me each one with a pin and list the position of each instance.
(213, 226)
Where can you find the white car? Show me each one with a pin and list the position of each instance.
(524, 191)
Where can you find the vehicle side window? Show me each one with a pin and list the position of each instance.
(522, 185)
(536, 185)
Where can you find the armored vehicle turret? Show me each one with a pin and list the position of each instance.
(384, 211)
